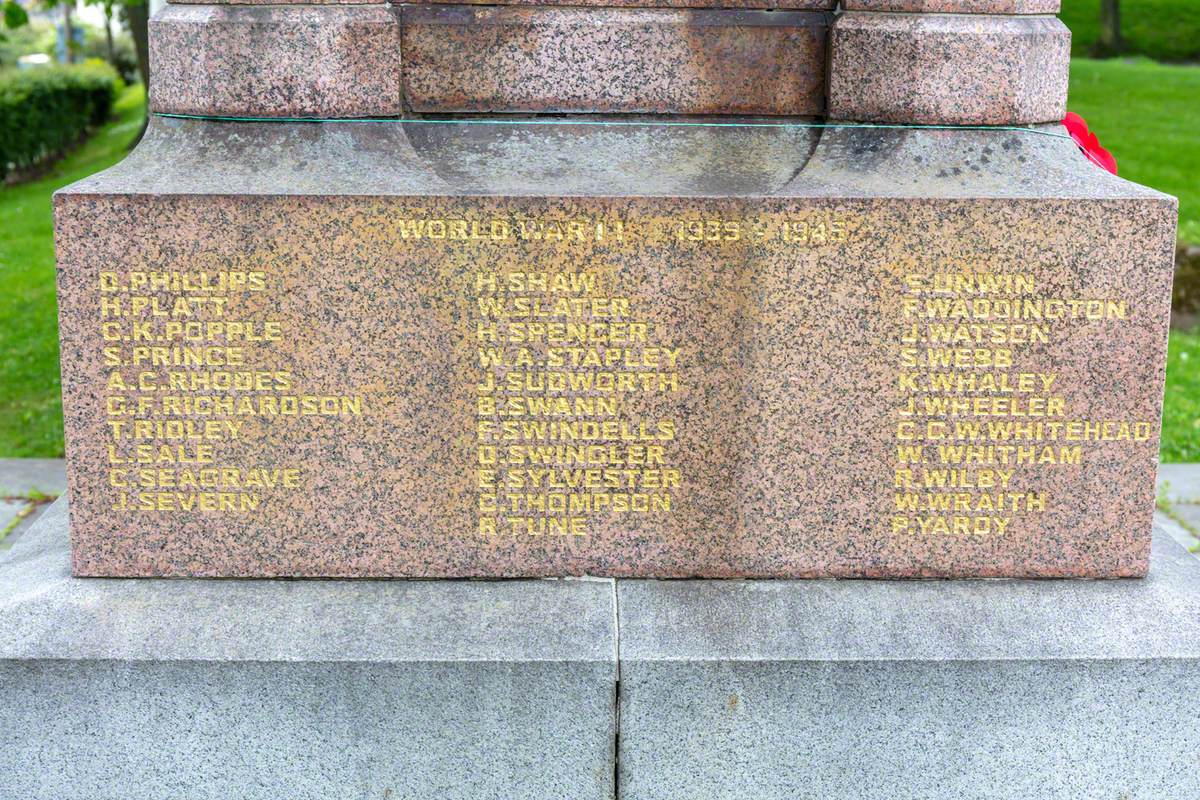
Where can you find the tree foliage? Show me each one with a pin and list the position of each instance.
(14, 15)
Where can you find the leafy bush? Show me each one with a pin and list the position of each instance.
(43, 111)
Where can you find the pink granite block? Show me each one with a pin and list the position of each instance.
(273, 2)
(429, 349)
(948, 69)
(668, 61)
(957, 6)
(282, 61)
(792, 5)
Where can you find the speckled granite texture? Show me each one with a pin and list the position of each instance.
(885, 690)
(342, 62)
(676, 61)
(304, 690)
(948, 69)
(282, 61)
(796, 5)
(957, 6)
(274, 2)
(310, 690)
(779, 444)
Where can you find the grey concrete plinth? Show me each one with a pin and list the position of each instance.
(864, 690)
(198, 689)
(125, 689)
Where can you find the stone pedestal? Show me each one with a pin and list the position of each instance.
(635, 290)
(815, 345)
(621, 289)
(119, 690)
(896, 61)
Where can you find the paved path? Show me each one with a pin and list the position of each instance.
(25, 483)
(1179, 499)
(23, 478)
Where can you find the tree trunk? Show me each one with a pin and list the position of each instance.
(108, 37)
(137, 16)
(1110, 42)
(68, 34)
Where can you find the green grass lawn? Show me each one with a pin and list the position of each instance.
(30, 407)
(1166, 30)
(1148, 115)
(1181, 410)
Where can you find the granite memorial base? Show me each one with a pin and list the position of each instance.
(166, 689)
(620, 288)
(639, 349)
(760, 307)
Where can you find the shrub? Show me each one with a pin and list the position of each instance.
(43, 111)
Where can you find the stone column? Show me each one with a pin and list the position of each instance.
(251, 60)
(338, 60)
(949, 62)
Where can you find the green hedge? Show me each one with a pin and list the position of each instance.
(46, 109)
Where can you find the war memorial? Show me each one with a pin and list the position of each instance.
(703, 358)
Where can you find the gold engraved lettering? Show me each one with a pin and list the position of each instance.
(561, 362)
(181, 381)
(976, 432)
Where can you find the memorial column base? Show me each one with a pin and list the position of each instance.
(625, 347)
(127, 689)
